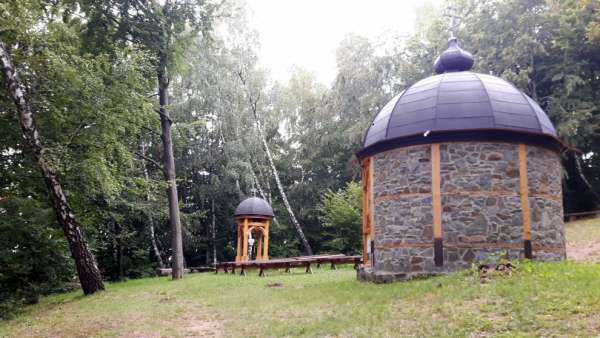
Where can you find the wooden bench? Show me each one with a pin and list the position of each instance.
(202, 269)
(305, 262)
(192, 269)
(167, 271)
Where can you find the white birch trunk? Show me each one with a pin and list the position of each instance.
(161, 264)
(213, 233)
(307, 248)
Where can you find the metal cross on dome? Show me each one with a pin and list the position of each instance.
(451, 12)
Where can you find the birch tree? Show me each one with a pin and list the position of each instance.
(253, 100)
(87, 268)
(159, 259)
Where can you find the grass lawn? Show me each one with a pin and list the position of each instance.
(551, 299)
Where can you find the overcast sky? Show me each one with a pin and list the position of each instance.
(306, 33)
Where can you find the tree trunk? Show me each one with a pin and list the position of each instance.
(532, 82)
(241, 194)
(207, 260)
(165, 125)
(114, 275)
(262, 193)
(581, 175)
(258, 185)
(120, 269)
(85, 262)
(161, 264)
(307, 247)
(213, 233)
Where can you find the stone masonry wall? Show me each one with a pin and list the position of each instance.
(545, 200)
(481, 207)
(403, 210)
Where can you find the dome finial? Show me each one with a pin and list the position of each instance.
(453, 59)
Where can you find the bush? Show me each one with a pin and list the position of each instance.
(34, 257)
(340, 214)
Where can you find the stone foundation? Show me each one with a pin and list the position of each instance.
(481, 208)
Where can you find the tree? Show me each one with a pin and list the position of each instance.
(163, 30)
(341, 215)
(253, 100)
(87, 269)
(88, 112)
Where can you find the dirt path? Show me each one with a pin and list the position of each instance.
(584, 251)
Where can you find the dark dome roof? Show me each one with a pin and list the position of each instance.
(453, 59)
(254, 206)
(458, 105)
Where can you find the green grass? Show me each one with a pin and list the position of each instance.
(539, 299)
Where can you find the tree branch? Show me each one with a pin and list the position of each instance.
(152, 161)
(152, 131)
(168, 118)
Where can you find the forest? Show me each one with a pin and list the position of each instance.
(131, 129)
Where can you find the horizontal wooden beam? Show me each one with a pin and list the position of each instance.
(400, 196)
(469, 246)
(479, 193)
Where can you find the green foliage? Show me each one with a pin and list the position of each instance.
(90, 110)
(341, 216)
(34, 259)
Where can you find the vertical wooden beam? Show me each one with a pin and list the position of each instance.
(238, 248)
(245, 240)
(436, 201)
(365, 208)
(371, 200)
(266, 244)
(259, 247)
(524, 192)
(366, 205)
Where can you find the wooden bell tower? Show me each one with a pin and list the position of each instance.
(259, 228)
(253, 217)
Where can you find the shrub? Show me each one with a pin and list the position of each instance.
(34, 257)
(340, 214)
